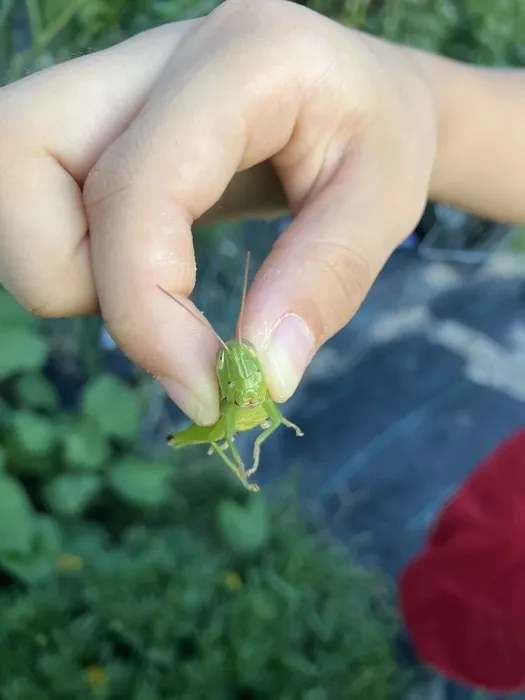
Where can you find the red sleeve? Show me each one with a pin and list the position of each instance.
(463, 597)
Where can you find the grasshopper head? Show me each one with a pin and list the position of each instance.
(240, 374)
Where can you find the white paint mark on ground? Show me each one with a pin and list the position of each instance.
(516, 335)
(487, 363)
(441, 276)
(395, 324)
(504, 266)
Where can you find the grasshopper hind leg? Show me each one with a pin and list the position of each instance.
(238, 471)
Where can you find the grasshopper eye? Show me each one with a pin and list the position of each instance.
(220, 358)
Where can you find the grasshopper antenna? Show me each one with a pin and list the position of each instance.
(243, 297)
(200, 319)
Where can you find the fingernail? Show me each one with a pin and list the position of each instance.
(202, 411)
(289, 351)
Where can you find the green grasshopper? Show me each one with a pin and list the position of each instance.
(244, 401)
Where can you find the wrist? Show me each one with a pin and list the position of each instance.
(480, 117)
(450, 84)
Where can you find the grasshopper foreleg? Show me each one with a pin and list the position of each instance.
(289, 424)
(275, 418)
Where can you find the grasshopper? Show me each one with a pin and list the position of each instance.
(244, 401)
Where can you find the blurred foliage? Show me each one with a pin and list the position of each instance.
(215, 589)
(57, 464)
(181, 611)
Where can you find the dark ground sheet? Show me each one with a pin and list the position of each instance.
(398, 408)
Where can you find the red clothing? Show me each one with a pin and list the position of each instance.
(463, 597)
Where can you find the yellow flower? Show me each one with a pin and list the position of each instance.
(69, 562)
(233, 581)
(97, 678)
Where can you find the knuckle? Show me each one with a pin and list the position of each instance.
(60, 304)
(40, 302)
(49, 309)
(108, 180)
(261, 23)
(59, 292)
(262, 29)
(251, 10)
(347, 276)
(351, 275)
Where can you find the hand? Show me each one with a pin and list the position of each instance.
(108, 159)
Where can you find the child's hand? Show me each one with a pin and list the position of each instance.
(135, 143)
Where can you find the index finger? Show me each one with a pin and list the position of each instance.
(206, 119)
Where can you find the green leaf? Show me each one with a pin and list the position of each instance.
(145, 691)
(70, 494)
(41, 560)
(33, 435)
(85, 537)
(245, 529)
(5, 412)
(21, 350)
(35, 391)
(13, 314)
(3, 459)
(86, 445)
(114, 405)
(141, 482)
(17, 518)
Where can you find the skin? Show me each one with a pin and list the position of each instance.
(256, 109)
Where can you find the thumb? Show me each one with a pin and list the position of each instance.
(320, 270)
